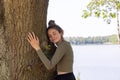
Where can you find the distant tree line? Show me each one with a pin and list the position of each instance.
(111, 39)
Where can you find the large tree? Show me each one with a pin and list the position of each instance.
(106, 9)
(18, 60)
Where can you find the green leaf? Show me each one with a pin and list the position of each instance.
(118, 5)
(113, 15)
(104, 15)
(86, 14)
(97, 14)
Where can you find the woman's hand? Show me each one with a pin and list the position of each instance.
(33, 40)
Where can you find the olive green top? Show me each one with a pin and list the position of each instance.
(63, 58)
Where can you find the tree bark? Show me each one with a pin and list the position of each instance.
(3, 58)
(118, 26)
(18, 60)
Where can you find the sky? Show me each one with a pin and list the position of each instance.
(67, 14)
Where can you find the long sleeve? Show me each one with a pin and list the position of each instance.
(59, 53)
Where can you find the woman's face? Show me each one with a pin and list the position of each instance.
(54, 35)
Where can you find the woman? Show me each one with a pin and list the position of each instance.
(63, 56)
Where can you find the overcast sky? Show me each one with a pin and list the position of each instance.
(67, 14)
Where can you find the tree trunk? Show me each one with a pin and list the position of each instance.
(18, 60)
(118, 26)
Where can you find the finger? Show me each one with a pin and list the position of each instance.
(37, 38)
(30, 35)
(33, 35)
(28, 39)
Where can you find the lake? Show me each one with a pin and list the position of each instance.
(97, 62)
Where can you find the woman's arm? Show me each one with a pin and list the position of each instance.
(59, 53)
